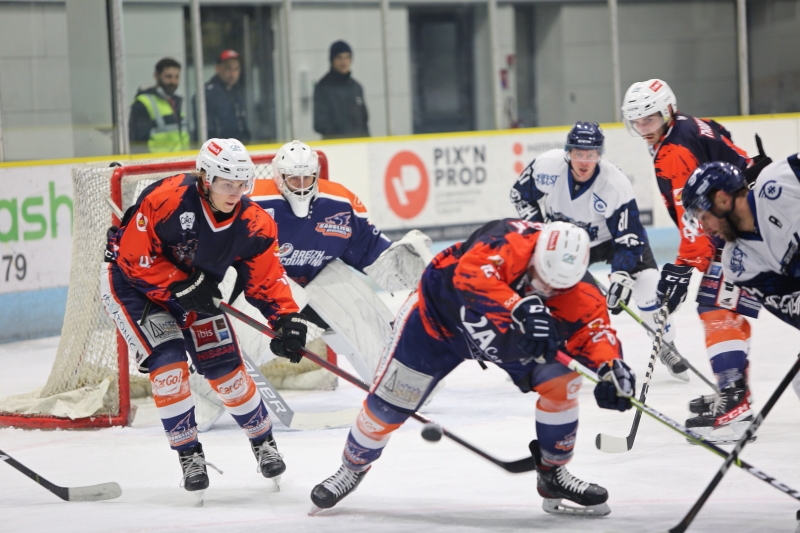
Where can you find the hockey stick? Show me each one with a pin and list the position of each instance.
(733, 457)
(90, 493)
(526, 464)
(611, 444)
(651, 331)
(572, 364)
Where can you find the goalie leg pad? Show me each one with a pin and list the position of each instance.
(728, 343)
(175, 404)
(241, 399)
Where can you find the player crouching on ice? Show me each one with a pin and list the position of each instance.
(512, 293)
(159, 286)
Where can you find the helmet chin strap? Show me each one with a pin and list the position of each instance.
(206, 192)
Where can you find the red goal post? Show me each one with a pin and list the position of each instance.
(92, 366)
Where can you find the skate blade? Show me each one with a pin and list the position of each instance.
(729, 434)
(200, 496)
(680, 376)
(315, 511)
(277, 481)
(557, 506)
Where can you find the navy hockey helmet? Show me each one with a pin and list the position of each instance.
(585, 136)
(707, 178)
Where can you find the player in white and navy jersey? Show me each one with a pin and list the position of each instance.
(760, 227)
(576, 185)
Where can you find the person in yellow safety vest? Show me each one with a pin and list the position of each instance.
(157, 122)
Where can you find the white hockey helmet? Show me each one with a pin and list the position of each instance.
(645, 98)
(295, 171)
(227, 159)
(561, 255)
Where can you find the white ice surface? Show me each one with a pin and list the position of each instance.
(416, 485)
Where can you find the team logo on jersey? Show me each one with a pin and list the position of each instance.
(271, 212)
(677, 194)
(737, 261)
(546, 179)
(600, 205)
(187, 220)
(285, 249)
(337, 225)
(770, 190)
(258, 424)
(141, 222)
(185, 251)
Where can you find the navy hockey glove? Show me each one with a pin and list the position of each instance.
(619, 291)
(539, 331)
(111, 245)
(617, 385)
(673, 285)
(292, 330)
(197, 293)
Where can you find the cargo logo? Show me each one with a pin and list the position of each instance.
(234, 388)
(337, 225)
(168, 383)
(406, 184)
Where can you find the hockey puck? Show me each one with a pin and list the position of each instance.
(431, 432)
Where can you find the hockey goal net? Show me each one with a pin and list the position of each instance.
(90, 382)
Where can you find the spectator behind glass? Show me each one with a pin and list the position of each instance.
(225, 109)
(339, 107)
(157, 121)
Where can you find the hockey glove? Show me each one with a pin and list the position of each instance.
(759, 163)
(617, 385)
(292, 329)
(673, 285)
(539, 331)
(197, 293)
(111, 245)
(619, 291)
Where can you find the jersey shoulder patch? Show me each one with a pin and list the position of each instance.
(337, 191)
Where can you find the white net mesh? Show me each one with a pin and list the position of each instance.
(84, 380)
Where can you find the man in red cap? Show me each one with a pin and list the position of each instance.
(225, 109)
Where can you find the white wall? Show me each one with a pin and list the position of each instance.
(35, 81)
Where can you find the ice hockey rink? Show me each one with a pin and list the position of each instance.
(417, 485)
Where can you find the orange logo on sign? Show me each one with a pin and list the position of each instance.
(406, 184)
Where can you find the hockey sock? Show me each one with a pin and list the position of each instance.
(727, 342)
(370, 433)
(557, 417)
(175, 404)
(241, 399)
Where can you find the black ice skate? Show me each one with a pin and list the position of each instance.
(673, 361)
(195, 476)
(556, 484)
(335, 488)
(723, 418)
(270, 461)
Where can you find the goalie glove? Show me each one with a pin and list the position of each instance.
(616, 386)
(292, 330)
(400, 266)
(539, 331)
(619, 291)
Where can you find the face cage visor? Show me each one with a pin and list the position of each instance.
(645, 125)
(582, 154)
(691, 216)
(230, 187)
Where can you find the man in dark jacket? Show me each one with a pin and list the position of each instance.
(157, 121)
(339, 107)
(225, 109)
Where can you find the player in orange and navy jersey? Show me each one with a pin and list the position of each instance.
(511, 294)
(159, 285)
(679, 143)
